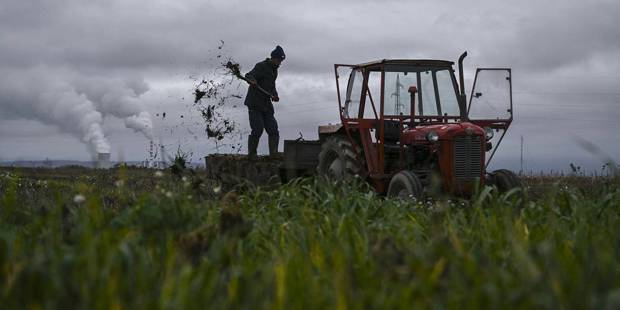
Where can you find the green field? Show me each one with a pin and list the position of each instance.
(133, 238)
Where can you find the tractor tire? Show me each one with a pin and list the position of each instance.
(337, 160)
(505, 180)
(405, 185)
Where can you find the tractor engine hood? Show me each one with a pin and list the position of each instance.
(460, 152)
(444, 131)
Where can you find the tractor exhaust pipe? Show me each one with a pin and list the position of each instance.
(461, 77)
(462, 97)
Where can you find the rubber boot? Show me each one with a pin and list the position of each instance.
(273, 145)
(252, 146)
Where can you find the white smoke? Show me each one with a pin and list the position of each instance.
(141, 122)
(53, 101)
(76, 104)
(73, 113)
(120, 99)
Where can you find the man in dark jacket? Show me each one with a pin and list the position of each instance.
(260, 104)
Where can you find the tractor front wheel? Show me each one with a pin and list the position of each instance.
(405, 185)
(337, 160)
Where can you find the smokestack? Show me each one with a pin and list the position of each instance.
(162, 159)
(103, 161)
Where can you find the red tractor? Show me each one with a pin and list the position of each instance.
(408, 130)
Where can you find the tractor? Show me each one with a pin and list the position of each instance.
(408, 130)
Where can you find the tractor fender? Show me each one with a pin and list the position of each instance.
(326, 131)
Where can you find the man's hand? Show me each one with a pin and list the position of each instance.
(275, 98)
(252, 82)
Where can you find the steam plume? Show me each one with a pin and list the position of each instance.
(120, 99)
(77, 104)
(53, 101)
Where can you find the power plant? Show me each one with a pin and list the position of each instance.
(103, 161)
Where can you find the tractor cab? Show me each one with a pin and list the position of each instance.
(407, 126)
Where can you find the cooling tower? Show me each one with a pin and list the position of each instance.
(103, 161)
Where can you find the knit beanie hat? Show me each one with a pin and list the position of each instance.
(278, 53)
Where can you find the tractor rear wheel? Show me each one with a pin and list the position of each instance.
(405, 185)
(337, 160)
(505, 180)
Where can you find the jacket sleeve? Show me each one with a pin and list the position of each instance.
(275, 89)
(257, 73)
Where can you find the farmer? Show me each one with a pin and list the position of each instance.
(261, 92)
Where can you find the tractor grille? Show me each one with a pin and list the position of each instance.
(467, 152)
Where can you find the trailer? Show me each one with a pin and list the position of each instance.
(299, 159)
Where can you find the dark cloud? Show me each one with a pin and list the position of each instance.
(564, 56)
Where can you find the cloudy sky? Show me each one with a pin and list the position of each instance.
(76, 71)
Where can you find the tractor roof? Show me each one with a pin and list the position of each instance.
(410, 62)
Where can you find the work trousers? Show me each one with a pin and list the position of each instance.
(260, 120)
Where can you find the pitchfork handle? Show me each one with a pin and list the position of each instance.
(259, 88)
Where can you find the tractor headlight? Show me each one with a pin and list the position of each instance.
(488, 133)
(432, 136)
